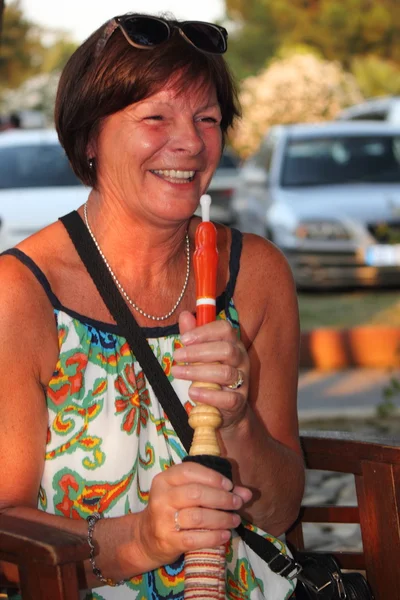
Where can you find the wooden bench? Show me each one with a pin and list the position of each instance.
(375, 463)
(48, 559)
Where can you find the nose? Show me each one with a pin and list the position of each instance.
(187, 137)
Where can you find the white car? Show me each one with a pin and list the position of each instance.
(37, 184)
(386, 108)
(328, 195)
(222, 188)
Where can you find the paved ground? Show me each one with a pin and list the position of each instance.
(348, 393)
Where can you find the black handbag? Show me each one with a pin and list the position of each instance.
(314, 585)
(319, 576)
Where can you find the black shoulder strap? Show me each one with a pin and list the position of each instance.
(36, 271)
(130, 329)
(166, 395)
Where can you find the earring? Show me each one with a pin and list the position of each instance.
(91, 163)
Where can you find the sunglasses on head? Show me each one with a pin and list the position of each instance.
(146, 32)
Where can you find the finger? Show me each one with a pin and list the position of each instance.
(217, 330)
(190, 472)
(232, 405)
(222, 351)
(187, 322)
(220, 373)
(245, 493)
(192, 539)
(196, 495)
(204, 518)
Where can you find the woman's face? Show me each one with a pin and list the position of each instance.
(157, 156)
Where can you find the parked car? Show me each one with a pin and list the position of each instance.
(37, 184)
(377, 109)
(329, 196)
(222, 187)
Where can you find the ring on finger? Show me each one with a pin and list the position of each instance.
(239, 381)
(176, 521)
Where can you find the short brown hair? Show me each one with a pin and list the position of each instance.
(92, 88)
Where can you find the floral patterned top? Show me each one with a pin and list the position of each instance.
(108, 436)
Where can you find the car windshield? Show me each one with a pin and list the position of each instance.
(339, 160)
(34, 166)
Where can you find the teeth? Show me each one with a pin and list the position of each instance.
(173, 174)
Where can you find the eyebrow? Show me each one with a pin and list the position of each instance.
(155, 102)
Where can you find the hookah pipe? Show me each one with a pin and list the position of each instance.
(205, 419)
(205, 569)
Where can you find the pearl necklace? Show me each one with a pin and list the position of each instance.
(122, 290)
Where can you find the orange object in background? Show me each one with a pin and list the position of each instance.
(365, 346)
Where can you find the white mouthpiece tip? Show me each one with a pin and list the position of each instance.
(205, 202)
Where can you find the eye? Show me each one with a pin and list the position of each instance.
(154, 118)
(210, 119)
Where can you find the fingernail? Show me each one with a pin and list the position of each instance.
(178, 371)
(187, 337)
(247, 496)
(237, 501)
(196, 393)
(236, 520)
(227, 484)
(225, 536)
(180, 355)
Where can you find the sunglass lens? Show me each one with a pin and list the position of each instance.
(205, 37)
(146, 31)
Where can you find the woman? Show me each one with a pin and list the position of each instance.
(142, 110)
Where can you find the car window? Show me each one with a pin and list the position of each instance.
(339, 160)
(33, 166)
(370, 116)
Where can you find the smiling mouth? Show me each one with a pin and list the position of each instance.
(175, 176)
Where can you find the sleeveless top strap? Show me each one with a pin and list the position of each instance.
(234, 261)
(36, 271)
(223, 301)
(234, 266)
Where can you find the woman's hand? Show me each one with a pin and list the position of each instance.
(188, 509)
(213, 353)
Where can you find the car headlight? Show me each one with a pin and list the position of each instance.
(322, 231)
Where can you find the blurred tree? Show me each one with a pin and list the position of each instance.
(293, 89)
(57, 54)
(1, 15)
(36, 93)
(21, 50)
(338, 29)
(376, 76)
(24, 54)
(253, 38)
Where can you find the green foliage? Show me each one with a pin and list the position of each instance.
(289, 51)
(57, 54)
(376, 76)
(387, 407)
(349, 309)
(253, 40)
(21, 50)
(337, 29)
(29, 69)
